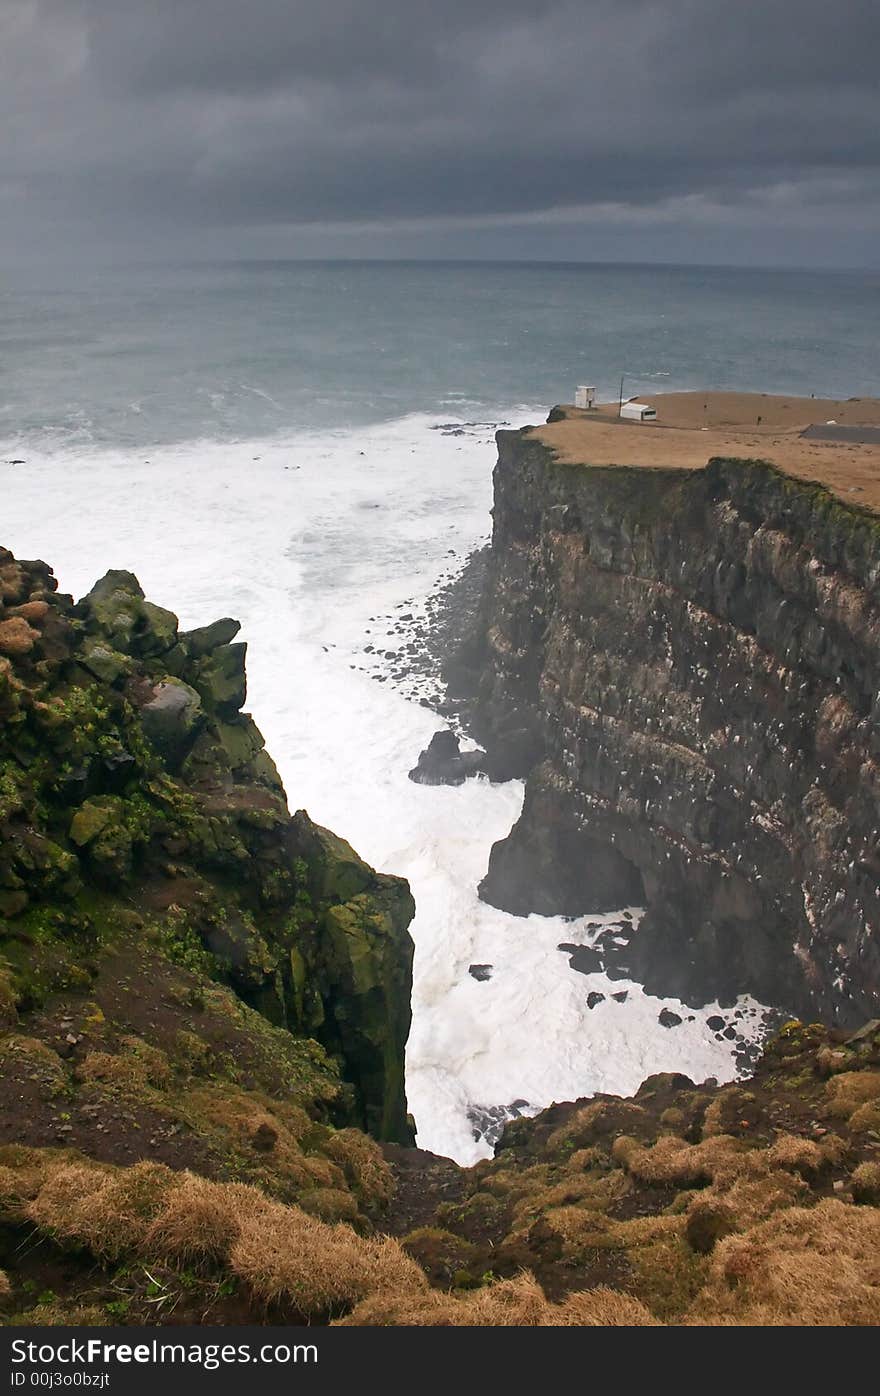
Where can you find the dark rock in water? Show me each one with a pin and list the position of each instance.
(667, 1019)
(480, 972)
(617, 971)
(622, 996)
(716, 1022)
(594, 998)
(556, 872)
(583, 958)
(444, 763)
(488, 1121)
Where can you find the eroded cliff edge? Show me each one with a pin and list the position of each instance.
(684, 666)
(143, 822)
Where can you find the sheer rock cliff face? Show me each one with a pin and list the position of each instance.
(684, 665)
(136, 795)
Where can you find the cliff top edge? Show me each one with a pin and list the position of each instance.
(795, 434)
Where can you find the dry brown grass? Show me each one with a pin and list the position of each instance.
(514, 1183)
(5, 1286)
(744, 1200)
(23, 1171)
(281, 1253)
(797, 1155)
(592, 1190)
(604, 1308)
(330, 1204)
(586, 1158)
(818, 1266)
(672, 1161)
(708, 1220)
(365, 1169)
(830, 1060)
(200, 1221)
(866, 1119)
(850, 1090)
(516, 1303)
(673, 1120)
(866, 1183)
(59, 1315)
(583, 1229)
(136, 1067)
(266, 1132)
(284, 1255)
(105, 1209)
(17, 637)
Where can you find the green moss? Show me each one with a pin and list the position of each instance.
(99, 816)
(182, 944)
(13, 790)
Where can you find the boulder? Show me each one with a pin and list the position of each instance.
(116, 606)
(99, 828)
(444, 763)
(172, 719)
(221, 680)
(206, 638)
(105, 663)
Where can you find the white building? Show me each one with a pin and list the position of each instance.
(584, 396)
(638, 412)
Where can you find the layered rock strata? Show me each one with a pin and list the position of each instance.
(684, 666)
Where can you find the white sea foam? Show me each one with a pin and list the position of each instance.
(310, 541)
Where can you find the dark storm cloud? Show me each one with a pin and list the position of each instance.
(282, 113)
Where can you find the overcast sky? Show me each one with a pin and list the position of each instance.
(692, 130)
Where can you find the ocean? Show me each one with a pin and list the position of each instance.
(309, 447)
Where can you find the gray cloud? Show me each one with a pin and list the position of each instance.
(277, 123)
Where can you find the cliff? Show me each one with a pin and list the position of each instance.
(176, 1144)
(139, 811)
(683, 664)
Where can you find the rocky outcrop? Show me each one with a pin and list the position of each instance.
(132, 785)
(444, 763)
(685, 667)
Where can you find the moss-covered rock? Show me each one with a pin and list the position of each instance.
(221, 679)
(172, 719)
(130, 777)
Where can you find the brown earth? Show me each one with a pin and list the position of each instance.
(691, 428)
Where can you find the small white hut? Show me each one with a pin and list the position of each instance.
(638, 412)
